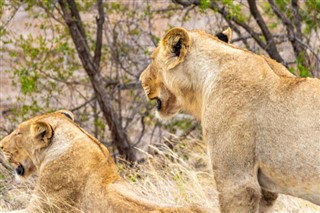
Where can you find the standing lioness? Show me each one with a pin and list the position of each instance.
(261, 123)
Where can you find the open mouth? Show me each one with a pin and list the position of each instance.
(158, 106)
(20, 170)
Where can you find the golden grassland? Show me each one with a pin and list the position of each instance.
(178, 174)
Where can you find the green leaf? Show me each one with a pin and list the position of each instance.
(204, 4)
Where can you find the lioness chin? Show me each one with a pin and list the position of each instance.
(261, 123)
(75, 171)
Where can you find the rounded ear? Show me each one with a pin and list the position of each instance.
(42, 133)
(225, 35)
(67, 113)
(175, 43)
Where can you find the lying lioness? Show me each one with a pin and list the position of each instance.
(76, 172)
(261, 123)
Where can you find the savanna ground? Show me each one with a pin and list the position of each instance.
(40, 71)
(178, 174)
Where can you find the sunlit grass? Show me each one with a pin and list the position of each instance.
(178, 174)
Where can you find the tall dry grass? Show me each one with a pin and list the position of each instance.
(178, 174)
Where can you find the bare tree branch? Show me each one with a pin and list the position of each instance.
(273, 53)
(100, 22)
(51, 14)
(297, 18)
(294, 35)
(5, 165)
(76, 18)
(271, 47)
(82, 105)
(3, 129)
(227, 15)
(150, 25)
(6, 23)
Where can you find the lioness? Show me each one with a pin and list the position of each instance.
(261, 123)
(75, 171)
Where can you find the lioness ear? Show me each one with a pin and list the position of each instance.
(42, 133)
(175, 43)
(225, 35)
(67, 113)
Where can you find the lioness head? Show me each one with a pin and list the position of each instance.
(159, 78)
(24, 142)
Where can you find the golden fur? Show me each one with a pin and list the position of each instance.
(75, 171)
(261, 123)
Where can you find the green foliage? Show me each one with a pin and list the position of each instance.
(178, 124)
(156, 38)
(204, 4)
(303, 71)
(283, 4)
(235, 10)
(115, 7)
(2, 3)
(99, 123)
(28, 80)
(133, 177)
(41, 63)
(45, 68)
(311, 15)
(38, 61)
(47, 72)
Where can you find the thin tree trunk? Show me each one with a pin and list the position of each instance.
(91, 65)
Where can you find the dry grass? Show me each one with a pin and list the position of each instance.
(178, 175)
(13, 194)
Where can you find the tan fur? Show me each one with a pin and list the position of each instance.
(261, 123)
(76, 172)
(228, 33)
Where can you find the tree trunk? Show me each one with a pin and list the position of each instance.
(91, 64)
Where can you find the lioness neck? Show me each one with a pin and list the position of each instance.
(211, 64)
(199, 78)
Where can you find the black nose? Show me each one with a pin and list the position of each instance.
(158, 106)
(20, 170)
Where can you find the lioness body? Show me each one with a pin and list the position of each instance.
(76, 172)
(261, 123)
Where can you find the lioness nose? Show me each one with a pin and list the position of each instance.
(1, 144)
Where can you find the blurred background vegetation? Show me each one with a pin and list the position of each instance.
(86, 56)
